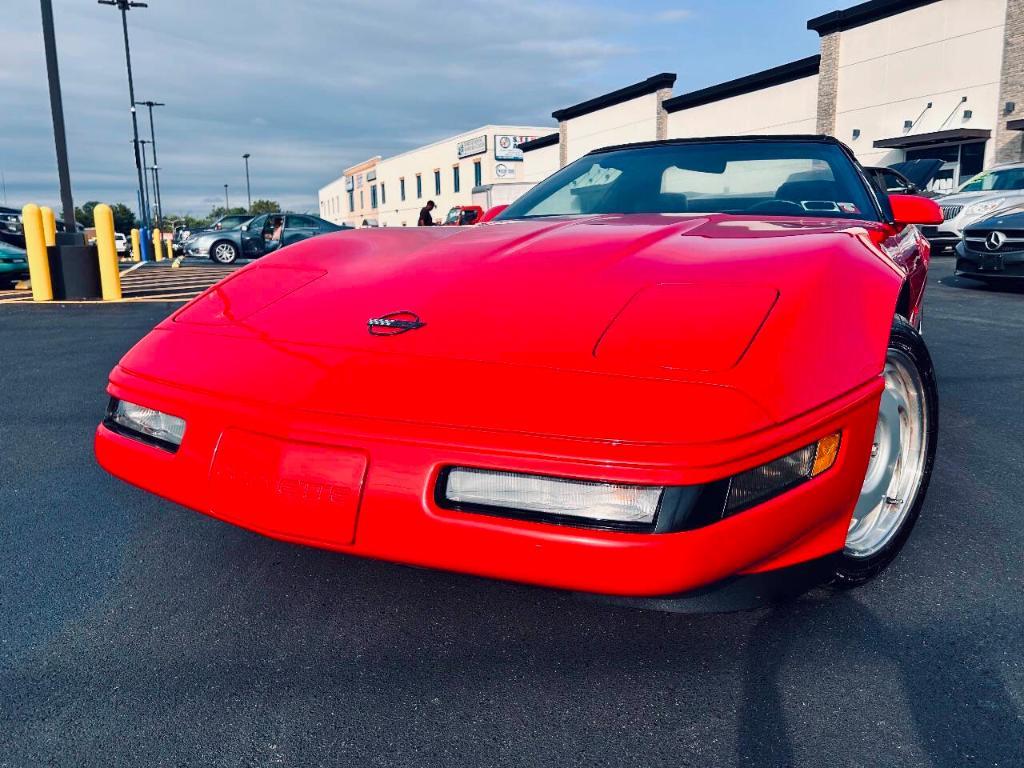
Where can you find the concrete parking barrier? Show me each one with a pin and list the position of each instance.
(49, 225)
(136, 246)
(158, 245)
(35, 249)
(110, 277)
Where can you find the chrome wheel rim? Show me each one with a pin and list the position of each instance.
(896, 467)
(224, 252)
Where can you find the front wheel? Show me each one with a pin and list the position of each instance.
(900, 466)
(224, 252)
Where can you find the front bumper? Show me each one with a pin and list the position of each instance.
(989, 266)
(394, 515)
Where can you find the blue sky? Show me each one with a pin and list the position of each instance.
(311, 86)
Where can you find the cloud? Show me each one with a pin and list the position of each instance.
(675, 14)
(307, 88)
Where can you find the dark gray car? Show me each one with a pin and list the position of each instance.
(257, 237)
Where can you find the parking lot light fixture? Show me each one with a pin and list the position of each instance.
(156, 165)
(248, 189)
(124, 6)
(227, 205)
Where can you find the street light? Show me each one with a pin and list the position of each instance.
(227, 205)
(124, 6)
(156, 163)
(145, 178)
(248, 191)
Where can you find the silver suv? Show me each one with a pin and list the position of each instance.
(993, 191)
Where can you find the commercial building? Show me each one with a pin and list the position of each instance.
(894, 79)
(390, 192)
(350, 199)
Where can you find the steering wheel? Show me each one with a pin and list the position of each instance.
(784, 207)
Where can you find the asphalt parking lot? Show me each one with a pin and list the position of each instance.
(134, 632)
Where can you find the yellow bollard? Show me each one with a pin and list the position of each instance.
(170, 249)
(49, 226)
(158, 245)
(35, 248)
(110, 277)
(136, 248)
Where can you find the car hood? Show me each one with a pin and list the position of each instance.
(966, 198)
(634, 311)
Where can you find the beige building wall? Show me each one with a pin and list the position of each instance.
(333, 202)
(540, 163)
(633, 120)
(890, 69)
(400, 210)
(785, 108)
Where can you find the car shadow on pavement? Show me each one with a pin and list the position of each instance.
(967, 692)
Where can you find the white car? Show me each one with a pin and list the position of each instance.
(120, 242)
(990, 192)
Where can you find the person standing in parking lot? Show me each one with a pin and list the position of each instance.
(426, 220)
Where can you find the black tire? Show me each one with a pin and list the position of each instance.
(224, 252)
(851, 571)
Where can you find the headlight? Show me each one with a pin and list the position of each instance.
(775, 477)
(512, 492)
(980, 209)
(145, 424)
(649, 509)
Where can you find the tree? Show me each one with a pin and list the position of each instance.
(220, 210)
(265, 206)
(124, 217)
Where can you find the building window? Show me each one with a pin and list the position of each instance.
(362, 200)
(373, 196)
(478, 175)
(419, 185)
(401, 189)
(383, 197)
(437, 182)
(351, 201)
(455, 178)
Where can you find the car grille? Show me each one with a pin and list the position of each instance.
(974, 240)
(950, 211)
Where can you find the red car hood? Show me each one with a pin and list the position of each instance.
(607, 312)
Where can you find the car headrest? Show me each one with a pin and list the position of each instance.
(797, 191)
(669, 202)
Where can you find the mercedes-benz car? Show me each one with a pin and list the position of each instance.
(992, 250)
(256, 237)
(680, 373)
(978, 198)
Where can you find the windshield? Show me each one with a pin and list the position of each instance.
(1005, 179)
(764, 178)
(453, 216)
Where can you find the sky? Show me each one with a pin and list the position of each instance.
(309, 87)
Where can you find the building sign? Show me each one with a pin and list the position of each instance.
(475, 146)
(504, 171)
(350, 183)
(507, 147)
(359, 181)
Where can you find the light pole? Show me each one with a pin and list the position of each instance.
(248, 190)
(59, 139)
(227, 205)
(156, 163)
(145, 179)
(124, 6)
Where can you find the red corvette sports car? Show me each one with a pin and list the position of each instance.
(682, 374)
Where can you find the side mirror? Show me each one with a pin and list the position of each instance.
(492, 212)
(912, 209)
